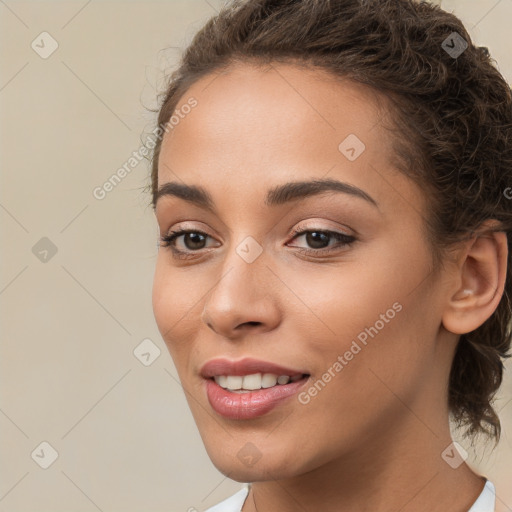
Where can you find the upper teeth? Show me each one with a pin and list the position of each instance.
(253, 381)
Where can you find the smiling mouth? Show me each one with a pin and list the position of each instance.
(248, 404)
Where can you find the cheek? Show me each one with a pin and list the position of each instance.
(377, 319)
(356, 383)
(335, 306)
(175, 291)
(173, 300)
(161, 297)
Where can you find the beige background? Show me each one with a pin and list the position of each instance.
(124, 435)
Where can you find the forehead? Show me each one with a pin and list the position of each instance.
(276, 104)
(255, 126)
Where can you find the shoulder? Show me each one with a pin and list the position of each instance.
(233, 503)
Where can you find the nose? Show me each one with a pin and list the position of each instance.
(242, 301)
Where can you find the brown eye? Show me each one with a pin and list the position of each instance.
(193, 241)
(317, 241)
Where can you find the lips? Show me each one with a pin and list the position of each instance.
(253, 404)
(246, 366)
(250, 404)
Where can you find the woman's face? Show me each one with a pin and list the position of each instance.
(358, 313)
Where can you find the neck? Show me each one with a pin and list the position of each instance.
(400, 469)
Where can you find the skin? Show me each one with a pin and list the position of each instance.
(372, 439)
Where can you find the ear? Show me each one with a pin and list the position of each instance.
(479, 281)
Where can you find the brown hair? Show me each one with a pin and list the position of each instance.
(452, 116)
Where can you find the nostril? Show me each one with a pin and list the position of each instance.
(244, 324)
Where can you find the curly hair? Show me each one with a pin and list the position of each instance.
(451, 113)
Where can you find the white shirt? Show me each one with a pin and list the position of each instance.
(484, 503)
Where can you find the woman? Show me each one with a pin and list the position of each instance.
(333, 281)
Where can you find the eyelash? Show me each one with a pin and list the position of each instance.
(343, 240)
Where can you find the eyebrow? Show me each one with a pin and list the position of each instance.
(277, 195)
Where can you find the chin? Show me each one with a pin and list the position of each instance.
(249, 465)
(240, 473)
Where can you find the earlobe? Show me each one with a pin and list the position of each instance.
(480, 279)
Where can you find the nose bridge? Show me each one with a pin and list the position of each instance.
(243, 268)
(241, 292)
